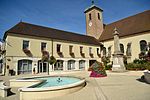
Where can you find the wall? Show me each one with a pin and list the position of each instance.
(135, 46)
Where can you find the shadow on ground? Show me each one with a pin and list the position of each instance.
(142, 79)
(10, 93)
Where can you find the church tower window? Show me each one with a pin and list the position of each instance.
(90, 17)
(98, 16)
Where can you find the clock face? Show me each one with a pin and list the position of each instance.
(90, 23)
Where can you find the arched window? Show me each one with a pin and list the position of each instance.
(90, 16)
(104, 51)
(143, 45)
(24, 66)
(121, 48)
(71, 64)
(82, 64)
(98, 16)
(109, 51)
(58, 65)
(128, 52)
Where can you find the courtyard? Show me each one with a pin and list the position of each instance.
(116, 86)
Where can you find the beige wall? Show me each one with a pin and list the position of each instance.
(135, 46)
(14, 50)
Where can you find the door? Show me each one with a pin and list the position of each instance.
(42, 67)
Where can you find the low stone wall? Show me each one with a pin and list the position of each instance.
(147, 76)
(4, 90)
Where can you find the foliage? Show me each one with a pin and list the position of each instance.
(52, 60)
(98, 68)
(108, 67)
(105, 60)
(145, 55)
(138, 64)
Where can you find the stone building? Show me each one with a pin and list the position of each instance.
(28, 42)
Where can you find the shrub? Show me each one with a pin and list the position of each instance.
(138, 65)
(108, 67)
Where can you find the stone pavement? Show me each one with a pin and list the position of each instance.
(116, 86)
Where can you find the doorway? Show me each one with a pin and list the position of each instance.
(42, 67)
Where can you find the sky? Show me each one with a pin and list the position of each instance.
(65, 15)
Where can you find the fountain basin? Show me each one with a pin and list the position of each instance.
(47, 89)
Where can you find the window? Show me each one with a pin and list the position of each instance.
(71, 64)
(24, 66)
(122, 48)
(128, 52)
(98, 51)
(90, 17)
(82, 64)
(104, 51)
(58, 48)
(81, 49)
(58, 65)
(43, 46)
(109, 51)
(90, 50)
(71, 49)
(25, 44)
(143, 45)
(98, 16)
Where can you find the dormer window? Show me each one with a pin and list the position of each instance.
(25, 44)
(98, 16)
(43, 46)
(90, 17)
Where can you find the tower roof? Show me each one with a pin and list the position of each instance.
(93, 6)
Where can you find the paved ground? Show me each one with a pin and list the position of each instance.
(116, 86)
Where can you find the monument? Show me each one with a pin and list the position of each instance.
(118, 64)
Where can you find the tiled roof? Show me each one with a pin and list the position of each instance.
(129, 26)
(23, 28)
(92, 7)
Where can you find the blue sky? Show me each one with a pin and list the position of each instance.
(66, 15)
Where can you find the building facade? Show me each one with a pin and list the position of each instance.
(26, 48)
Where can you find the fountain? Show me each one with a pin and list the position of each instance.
(48, 86)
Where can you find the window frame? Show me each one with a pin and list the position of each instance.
(23, 44)
(43, 48)
(58, 50)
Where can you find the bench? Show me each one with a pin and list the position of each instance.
(4, 90)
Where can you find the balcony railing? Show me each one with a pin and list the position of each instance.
(26, 50)
(45, 55)
(82, 54)
(99, 55)
(91, 54)
(72, 54)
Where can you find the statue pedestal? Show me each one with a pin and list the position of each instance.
(118, 64)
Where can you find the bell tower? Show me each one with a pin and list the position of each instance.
(94, 21)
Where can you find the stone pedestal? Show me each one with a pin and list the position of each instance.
(118, 64)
